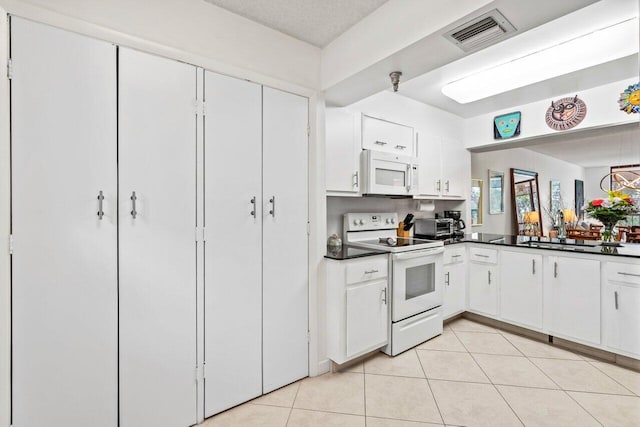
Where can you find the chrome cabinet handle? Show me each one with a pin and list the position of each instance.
(456, 256)
(381, 143)
(272, 212)
(253, 206)
(555, 269)
(357, 180)
(409, 177)
(384, 296)
(438, 185)
(133, 198)
(446, 186)
(401, 147)
(370, 271)
(533, 266)
(628, 274)
(447, 278)
(615, 298)
(482, 256)
(489, 273)
(100, 199)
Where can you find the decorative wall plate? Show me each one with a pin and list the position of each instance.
(506, 125)
(566, 113)
(630, 99)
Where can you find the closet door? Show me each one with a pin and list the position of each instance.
(157, 162)
(233, 250)
(285, 253)
(64, 284)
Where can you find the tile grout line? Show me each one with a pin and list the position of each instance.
(293, 403)
(364, 391)
(609, 376)
(583, 408)
(430, 389)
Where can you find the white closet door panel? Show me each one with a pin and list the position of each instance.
(64, 285)
(285, 251)
(157, 160)
(233, 250)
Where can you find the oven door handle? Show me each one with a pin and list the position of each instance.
(417, 254)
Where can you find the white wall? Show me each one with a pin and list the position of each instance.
(592, 177)
(548, 168)
(193, 31)
(602, 111)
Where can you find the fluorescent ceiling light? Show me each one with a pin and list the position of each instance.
(603, 45)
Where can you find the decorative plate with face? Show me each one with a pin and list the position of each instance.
(506, 126)
(630, 99)
(566, 113)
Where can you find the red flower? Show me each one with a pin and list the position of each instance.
(597, 202)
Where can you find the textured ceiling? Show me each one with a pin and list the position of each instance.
(317, 22)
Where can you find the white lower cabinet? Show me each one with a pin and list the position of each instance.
(357, 308)
(521, 288)
(621, 308)
(455, 278)
(483, 281)
(572, 298)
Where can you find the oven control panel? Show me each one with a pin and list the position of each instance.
(370, 221)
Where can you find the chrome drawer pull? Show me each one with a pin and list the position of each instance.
(483, 256)
(456, 256)
(370, 271)
(401, 147)
(381, 143)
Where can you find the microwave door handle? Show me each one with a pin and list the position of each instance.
(418, 254)
(409, 177)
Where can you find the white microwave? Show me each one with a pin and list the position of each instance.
(389, 174)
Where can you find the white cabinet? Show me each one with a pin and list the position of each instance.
(382, 135)
(64, 265)
(157, 245)
(233, 281)
(444, 167)
(621, 308)
(483, 281)
(572, 302)
(357, 309)
(521, 288)
(343, 147)
(455, 277)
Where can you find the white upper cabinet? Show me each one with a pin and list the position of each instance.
(343, 147)
(381, 135)
(445, 167)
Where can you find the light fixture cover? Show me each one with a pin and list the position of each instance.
(600, 46)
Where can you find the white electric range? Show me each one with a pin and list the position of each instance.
(417, 279)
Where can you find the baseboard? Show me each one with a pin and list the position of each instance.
(324, 366)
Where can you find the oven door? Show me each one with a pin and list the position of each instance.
(418, 282)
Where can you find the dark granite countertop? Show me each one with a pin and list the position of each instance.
(350, 252)
(574, 246)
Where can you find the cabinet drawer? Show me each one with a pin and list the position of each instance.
(453, 255)
(367, 269)
(625, 273)
(381, 135)
(489, 256)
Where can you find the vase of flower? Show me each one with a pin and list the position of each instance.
(616, 207)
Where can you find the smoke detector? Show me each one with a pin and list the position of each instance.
(482, 31)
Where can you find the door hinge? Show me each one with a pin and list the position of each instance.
(199, 373)
(10, 244)
(308, 336)
(9, 68)
(199, 107)
(200, 234)
(308, 228)
(308, 130)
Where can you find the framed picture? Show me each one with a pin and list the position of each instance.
(506, 126)
(579, 198)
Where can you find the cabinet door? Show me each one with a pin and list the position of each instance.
(454, 289)
(428, 148)
(621, 317)
(575, 298)
(343, 151)
(157, 161)
(64, 267)
(521, 288)
(456, 164)
(381, 135)
(483, 288)
(285, 250)
(233, 252)
(366, 317)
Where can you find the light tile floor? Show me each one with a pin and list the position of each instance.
(471, 375)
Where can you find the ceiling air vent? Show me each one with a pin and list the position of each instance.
(481, 31)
